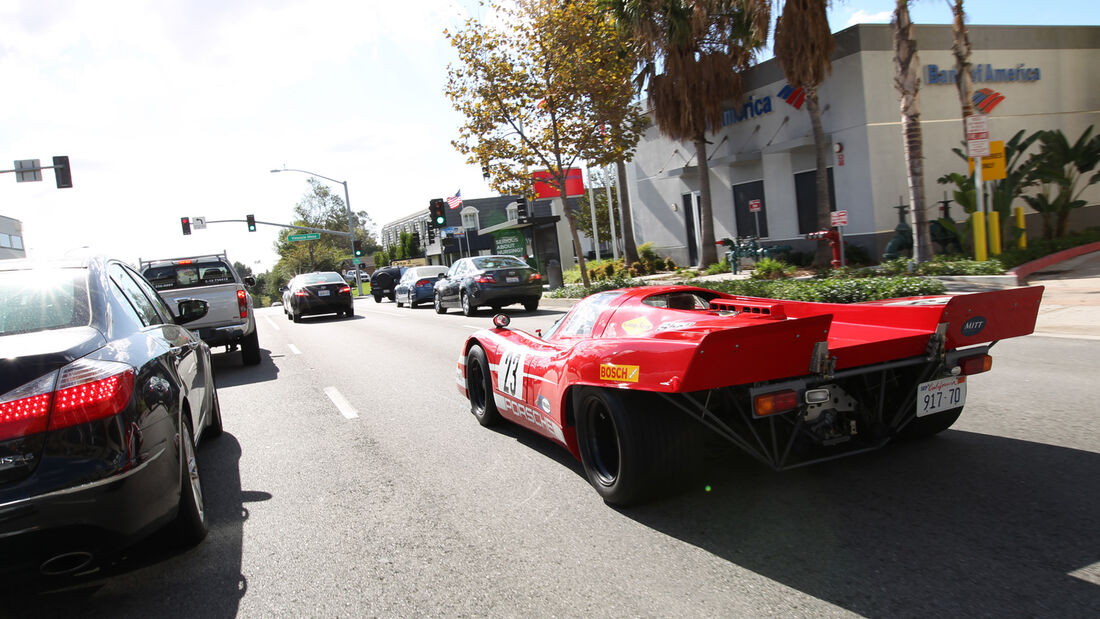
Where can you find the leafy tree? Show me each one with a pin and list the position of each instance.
(691, 55)
(960, 48)
(804, 47)
(537, 90)
(1057, 168)
(321, 208)
(907, 81)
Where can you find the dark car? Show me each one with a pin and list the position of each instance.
(104, 398)
(417, 285)
(383, 283)
(488, 280)
(323, 292)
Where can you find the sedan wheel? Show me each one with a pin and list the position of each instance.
(191, 519)
(468, 309)
(439, 309)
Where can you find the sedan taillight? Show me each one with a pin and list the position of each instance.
(534, 277)
(344, 289)
(423, 282)
(82, 391)
(486, 278)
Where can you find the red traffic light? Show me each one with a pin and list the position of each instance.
(185, 223)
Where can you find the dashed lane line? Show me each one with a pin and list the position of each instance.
(342, 404)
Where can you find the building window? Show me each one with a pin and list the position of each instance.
(5, 240)
(805, 195)
(748, 220)
(513, 212)
(17, 241)
(470, 218)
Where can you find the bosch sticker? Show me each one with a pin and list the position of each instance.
(619, 373)
(637, 326)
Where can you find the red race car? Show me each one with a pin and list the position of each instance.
(632, 381)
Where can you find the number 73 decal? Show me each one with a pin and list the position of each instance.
(510, 373)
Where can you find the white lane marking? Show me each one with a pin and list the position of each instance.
(294, 349)
(273, 323)
(342, 404)
(473, 327)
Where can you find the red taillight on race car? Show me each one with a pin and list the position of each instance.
(976, 364)
(775, 402)
(534, 277)
(486, 278)
(82, 391)
(242, 303)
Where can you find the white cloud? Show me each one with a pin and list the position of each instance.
(863, 17)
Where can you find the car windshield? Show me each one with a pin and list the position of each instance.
(188, 275)
(582, 319)
(322, 278)
(499, 262)
(43, 299)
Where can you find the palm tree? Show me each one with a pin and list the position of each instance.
(961, 50)
(701, 47)
(907, 81)
(804, 47)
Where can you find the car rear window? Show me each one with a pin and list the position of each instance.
(188, 275)
(41, 299)
(499, 262)
(322, 278)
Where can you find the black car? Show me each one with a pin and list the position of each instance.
(488, 280)
(383, 282)
(103, 398)
(323, 292)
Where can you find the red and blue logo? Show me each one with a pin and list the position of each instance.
(794, 96)
(986, 99)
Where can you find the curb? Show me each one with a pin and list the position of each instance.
(1022, 272)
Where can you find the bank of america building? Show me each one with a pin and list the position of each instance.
(762, 160)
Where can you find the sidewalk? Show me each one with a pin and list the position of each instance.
(1071, 299)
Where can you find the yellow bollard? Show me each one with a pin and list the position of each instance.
(994, 233)
(1021, 241)
(978, 219)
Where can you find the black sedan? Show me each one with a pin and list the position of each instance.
(495, 281)
(323, 292)
(104, 398)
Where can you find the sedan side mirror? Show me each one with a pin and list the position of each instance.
(190, 310)
(442, 276)
(249, 281)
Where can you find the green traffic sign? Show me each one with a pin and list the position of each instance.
(311, 236)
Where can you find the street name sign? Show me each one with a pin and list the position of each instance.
(309, 236)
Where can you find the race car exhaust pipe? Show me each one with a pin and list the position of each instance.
(66, 563)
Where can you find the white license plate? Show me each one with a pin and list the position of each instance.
(512, 280)
(322, 293)
(940, 395)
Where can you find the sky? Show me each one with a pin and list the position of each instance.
(171, 108)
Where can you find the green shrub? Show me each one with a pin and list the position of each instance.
(670, 264)
(576, 291)
(719, 267)
(770, 268)
(939, 266)
(1037, 248)
(849, 290)
(646, 252)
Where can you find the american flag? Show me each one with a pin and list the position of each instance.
(455, 201)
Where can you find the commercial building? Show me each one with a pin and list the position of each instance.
(11, 238)
(762, 160)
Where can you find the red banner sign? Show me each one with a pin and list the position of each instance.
(574, 184)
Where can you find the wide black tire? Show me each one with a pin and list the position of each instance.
(392, 296)
(531, 306)
(468, 308)
(378, 297)
(296, 317)
(250, 347)
(350, 311)
(923, 427)
(439, 307)
(190, 523)
(479, 386)
(288, 316)
(633, 449)
(214, 426)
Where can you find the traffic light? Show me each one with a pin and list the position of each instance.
(521, 209)
(185, 222)
(251, 222)
(358, 247)
(431, 235)
(436, 212)
(63, 175)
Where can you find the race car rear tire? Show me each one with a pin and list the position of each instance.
(923, 427)
(632, 450)
(479, 388)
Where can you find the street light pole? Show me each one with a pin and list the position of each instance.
(351, 228)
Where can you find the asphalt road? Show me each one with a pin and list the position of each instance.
(388, 499)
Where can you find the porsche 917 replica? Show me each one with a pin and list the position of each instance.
(630, 381)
